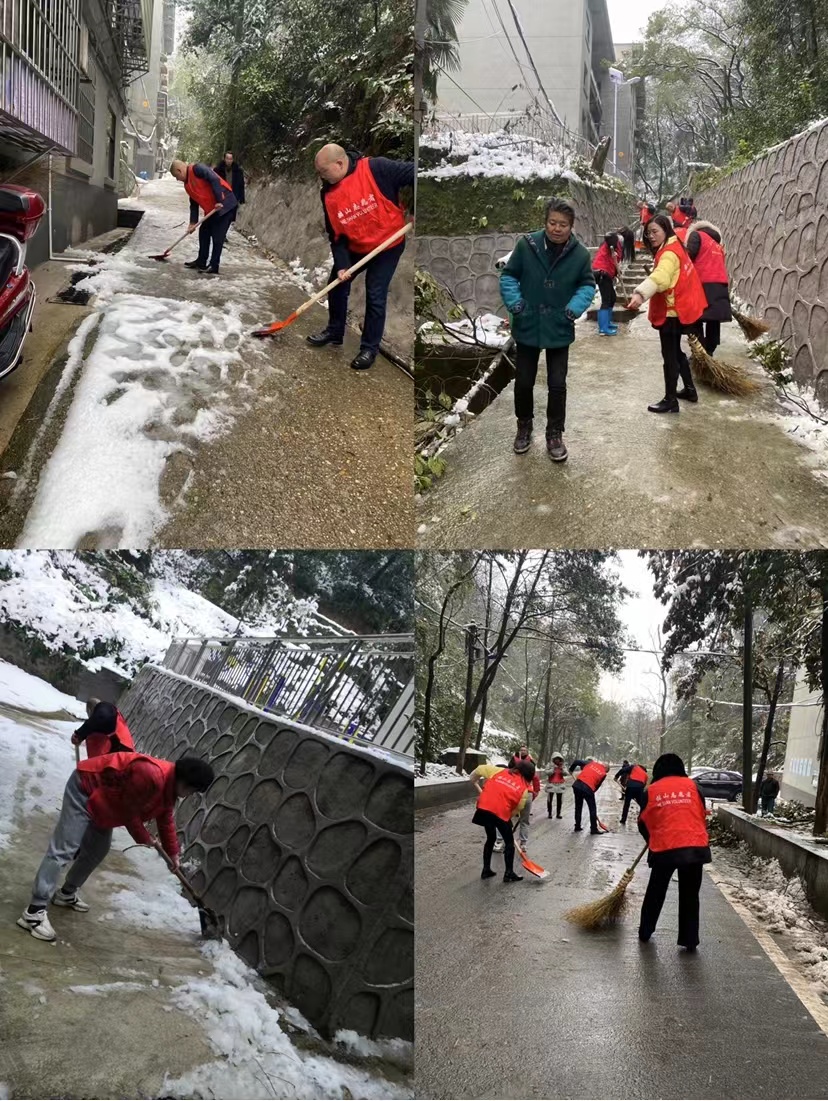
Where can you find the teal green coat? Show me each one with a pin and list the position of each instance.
(538, 291)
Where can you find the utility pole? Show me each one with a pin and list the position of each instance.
(747, 709)
(471, 656)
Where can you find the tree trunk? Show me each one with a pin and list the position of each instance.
(747, 709)
(544, 746)
(232, 114)
(766, 741)
(471, 645)
(821, 808)
(486, 628)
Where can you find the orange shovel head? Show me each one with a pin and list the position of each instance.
(533, 868)
(276, 327)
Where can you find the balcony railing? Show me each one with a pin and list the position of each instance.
(359, 688)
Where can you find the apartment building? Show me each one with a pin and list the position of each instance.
(802, 752)
(146, 127)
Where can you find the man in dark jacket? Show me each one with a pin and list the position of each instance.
(214, 196)
(768, 791)
(361, 200)
(232, 173)
(546, 285)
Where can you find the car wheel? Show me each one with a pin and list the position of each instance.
(731, 796)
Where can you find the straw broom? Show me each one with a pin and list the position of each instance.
(597, 915)
(752, 327)
(725, 377)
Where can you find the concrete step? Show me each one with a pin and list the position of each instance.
(619, 313)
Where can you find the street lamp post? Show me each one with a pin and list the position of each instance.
(617, 78)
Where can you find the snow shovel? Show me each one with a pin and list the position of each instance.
(175, 244)
(531, 867)
(210, 924)
(277, 326)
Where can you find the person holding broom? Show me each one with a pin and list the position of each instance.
(673, 821)
(635, 779)
(589, 779)
(704, 247)
(105, 730)
(498, 801)
(677, 302)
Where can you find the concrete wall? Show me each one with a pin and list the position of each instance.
(801, 769)
(466, 264)
(795, 856)
(287, 218)
(442, 795)
(304, 845)
(774, 216)
(61, 670)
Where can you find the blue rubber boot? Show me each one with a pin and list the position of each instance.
(602, 323)
(612, 328)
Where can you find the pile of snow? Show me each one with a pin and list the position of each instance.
(255, 1056)
(782, 904)
(150, 898)
(309, 281)
(437, 773)
(498, 154)
(21, 689)
(489, 330)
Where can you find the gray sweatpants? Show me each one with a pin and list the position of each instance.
(74, 838)
(523, 828)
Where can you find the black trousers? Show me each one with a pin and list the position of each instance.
(606, 285)
(689, 885)
(494, 825)
(378, 275)
(213, 231)
(584, 794)
(676, 363)
(526, 371)
(559, 796)
(712, 336)
(633, 790)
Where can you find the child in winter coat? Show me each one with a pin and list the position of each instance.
(546, 285)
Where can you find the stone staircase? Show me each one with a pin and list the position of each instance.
(631, 275)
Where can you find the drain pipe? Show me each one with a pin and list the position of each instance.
(52, 255)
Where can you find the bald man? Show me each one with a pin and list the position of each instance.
(214, 196)
(361, 200)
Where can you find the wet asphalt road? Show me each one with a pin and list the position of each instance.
(513, 1002)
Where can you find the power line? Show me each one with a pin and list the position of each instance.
(516, 18)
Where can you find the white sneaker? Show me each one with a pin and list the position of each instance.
(38, 925)
(72, 902)
(499, 846)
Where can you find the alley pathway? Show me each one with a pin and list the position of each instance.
(723, 473)
(171, 425)
(513, 1002)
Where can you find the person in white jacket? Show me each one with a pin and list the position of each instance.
(556, 781)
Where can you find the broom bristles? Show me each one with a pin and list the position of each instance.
(597, 915)
(725, 377)
(752, 327)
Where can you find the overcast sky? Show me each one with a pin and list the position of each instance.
(642, 614)
(628, 20)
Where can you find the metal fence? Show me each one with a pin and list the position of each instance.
(543, 129)
(359, 688)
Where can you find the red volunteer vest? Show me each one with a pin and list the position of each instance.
(557, 776)
(502, 794)
(112, 800)
(689, 298)
(359, 211)
(201, 191)
(679, 217)
(607, 260)
(592, 774)
(645, 216)
(638, 774)
(674, 815)
(710, 261)
(99, 744)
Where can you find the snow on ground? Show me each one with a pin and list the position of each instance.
(170, 365)
(487, 330)
(497, 154)
(21, 689)
(782, 905)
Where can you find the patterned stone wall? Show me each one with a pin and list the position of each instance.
(305, 847)
(774, 220)
(466, 264)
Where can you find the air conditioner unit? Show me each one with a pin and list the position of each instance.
(83, 53)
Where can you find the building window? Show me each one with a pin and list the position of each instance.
(111, 128)
(86, 123)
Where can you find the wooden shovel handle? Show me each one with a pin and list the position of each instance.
(407, 228)
(175, 244)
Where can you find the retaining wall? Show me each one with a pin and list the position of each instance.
(64, 671)
(304, 845)
(287, 218)
(465, 264)
(796, 856)
(442, 794)
(774, 218)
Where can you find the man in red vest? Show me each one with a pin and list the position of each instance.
(589, 779)
(677, 215)
(214, 196)
(105, 730)
(673, 822)
(635, 778)
(116, 789)
(361, 199)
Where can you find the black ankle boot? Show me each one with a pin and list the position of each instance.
(666, 405)
(524, 435)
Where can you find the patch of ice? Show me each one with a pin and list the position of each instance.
(106, 988)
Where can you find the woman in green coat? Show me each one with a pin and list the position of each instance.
(546, 285)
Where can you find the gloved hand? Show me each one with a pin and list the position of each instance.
(75, 739)
(570, 316)
(518, 307)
